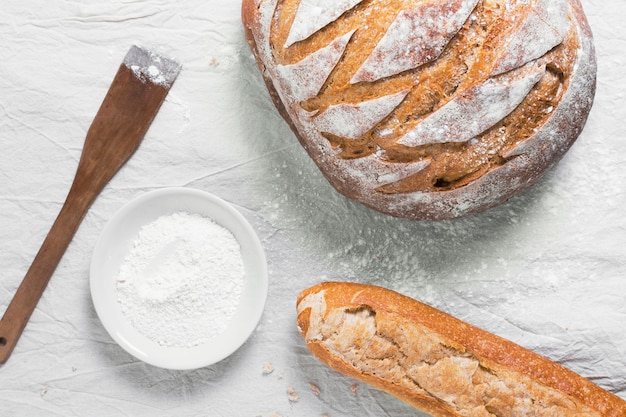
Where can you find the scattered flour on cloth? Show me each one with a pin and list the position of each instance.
(181, 281)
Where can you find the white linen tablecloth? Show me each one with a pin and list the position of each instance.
(546, 270)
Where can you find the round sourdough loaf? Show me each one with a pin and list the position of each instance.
(427, 109)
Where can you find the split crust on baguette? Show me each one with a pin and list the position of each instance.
(413, 141)
(438, 363)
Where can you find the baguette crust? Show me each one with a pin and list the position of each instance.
(437, 363)
(458, 114)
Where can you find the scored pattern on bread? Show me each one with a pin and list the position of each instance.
(544, 27)
(475, 110)
(424, 32)
(494, 92)
(305, 78)
(420, 34)
(313, 15)
(339, 119)
(436, 362)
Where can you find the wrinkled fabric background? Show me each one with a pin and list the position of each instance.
(546, 270)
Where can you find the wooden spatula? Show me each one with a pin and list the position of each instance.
(134, 97)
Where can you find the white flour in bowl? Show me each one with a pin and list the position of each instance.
(181, 281)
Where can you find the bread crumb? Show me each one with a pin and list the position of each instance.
(354, 388)
(315, 389)
(268, 368)
(293, 396)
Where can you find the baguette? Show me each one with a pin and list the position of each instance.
(427, 109)
(437, 363)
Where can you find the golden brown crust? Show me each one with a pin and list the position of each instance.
(377, 162)
(391, 309)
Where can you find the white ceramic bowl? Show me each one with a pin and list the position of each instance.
(113, 245)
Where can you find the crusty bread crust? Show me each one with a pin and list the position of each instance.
(436, 362)
(361, 125)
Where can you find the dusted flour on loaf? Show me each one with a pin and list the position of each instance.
(427, 109)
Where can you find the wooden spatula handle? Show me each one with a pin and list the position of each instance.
(132, 101)
(36, 279)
